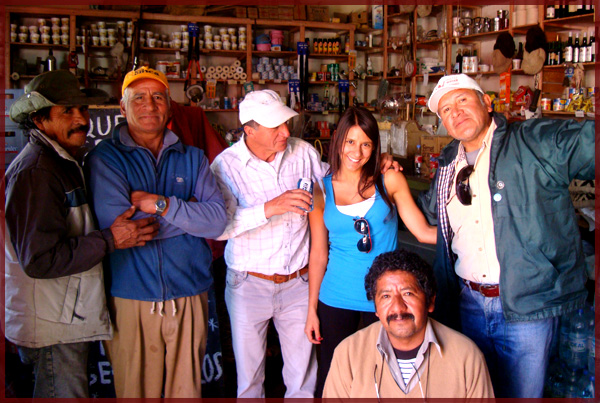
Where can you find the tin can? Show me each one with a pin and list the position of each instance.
(320, 76)
(226, 103)
(572, 91)
(162, 66)
(306, 184)
(556, 105)
(546, 104)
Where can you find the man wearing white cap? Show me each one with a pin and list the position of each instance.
(509, 250)
(267, 251)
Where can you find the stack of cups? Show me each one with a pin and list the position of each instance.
(13, 33)
(103, 32)
(56, 36)
(276, 37)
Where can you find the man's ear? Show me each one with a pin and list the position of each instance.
(488, 102)
(432, 302)
(249, 130)
(122, 107)
(39, 123)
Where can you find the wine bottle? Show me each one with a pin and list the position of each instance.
(576, 49)
(569, 49)
(50, 61)
(583, 56)
(592, 47)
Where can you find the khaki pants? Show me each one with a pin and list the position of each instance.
(149, 350)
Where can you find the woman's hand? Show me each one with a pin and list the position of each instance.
(312, 327)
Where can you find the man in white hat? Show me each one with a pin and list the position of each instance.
(267, 251)
(54, 302)
(509, 250)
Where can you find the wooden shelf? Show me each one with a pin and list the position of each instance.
(476, 37)
(323, 83)
(342, 56)
(573, 22)
(283, 53)
(586, 66)
(368, 31)
(29, 45)
(370, 50)
(587, 115)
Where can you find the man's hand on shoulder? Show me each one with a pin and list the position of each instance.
(387, 162)
(289, 201)
(128, 233)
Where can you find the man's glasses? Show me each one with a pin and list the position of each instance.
(463, 189)
(362, 227)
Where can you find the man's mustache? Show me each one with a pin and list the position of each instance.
(396, 316)
(80, 128)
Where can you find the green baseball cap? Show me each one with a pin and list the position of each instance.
(57, 87)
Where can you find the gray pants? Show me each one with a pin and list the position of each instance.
(60, 370)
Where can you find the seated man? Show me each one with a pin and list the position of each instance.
(406, 354)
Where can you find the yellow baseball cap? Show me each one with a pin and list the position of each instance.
(144, 72)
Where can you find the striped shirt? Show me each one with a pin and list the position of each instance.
(280, 244)
(406, 361)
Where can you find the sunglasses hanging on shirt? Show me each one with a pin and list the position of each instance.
(362, 227)
(463, 189)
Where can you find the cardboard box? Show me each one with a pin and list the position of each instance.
(300, 13)
(252, 12)
(317, 13)
(268, 13)
(343, 17)
(358, 17)
(431, 145)
(286, 12)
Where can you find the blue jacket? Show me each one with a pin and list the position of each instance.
(176, 263)
(542, 267)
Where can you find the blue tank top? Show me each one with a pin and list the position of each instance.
(344, 281)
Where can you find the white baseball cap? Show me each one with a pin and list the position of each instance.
(450, 83)
(265, 108)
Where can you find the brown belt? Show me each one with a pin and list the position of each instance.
(280, 278)
(487, 290)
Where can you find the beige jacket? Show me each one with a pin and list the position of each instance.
(452, 367)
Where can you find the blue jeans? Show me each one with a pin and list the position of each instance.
(516, 353)
(60, 370)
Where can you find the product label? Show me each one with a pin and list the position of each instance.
(577, 344)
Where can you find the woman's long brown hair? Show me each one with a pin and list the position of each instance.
(371, 171)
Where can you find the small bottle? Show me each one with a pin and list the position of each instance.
(418, 161)
(578, 355)
(50, 61)
(459, 59)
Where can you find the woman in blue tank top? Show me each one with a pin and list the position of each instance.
(354, 219)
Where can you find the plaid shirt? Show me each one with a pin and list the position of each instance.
(280, 244)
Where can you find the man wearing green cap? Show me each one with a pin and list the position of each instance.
(158, 292)
(55, 303)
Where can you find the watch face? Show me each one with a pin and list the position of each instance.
(160, 204)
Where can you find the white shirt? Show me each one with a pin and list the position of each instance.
(474, 242)
(280, 244)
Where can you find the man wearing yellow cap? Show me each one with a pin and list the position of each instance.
(158, 292)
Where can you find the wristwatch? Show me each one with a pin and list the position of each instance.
(161, 204)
